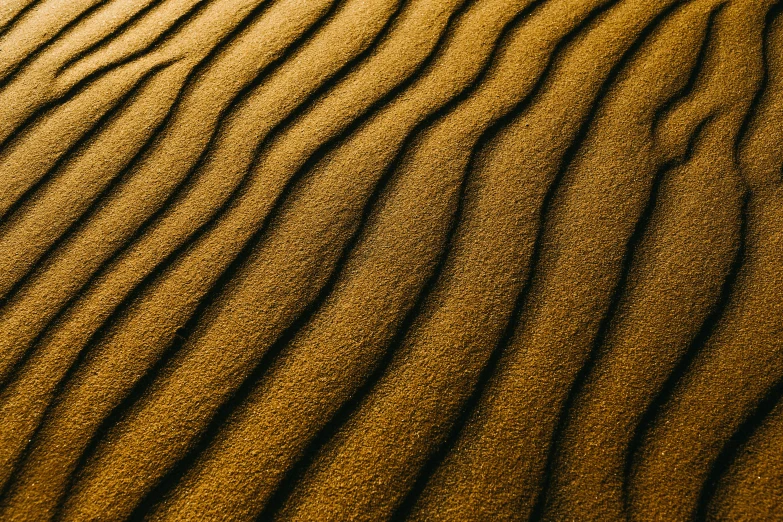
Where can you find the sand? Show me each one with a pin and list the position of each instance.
(391, 259)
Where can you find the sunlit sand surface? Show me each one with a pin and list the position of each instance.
(391, 259)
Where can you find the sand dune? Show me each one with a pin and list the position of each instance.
(391, 259)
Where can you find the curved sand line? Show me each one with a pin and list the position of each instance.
(391, 259)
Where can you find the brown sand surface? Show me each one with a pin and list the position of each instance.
(391, 259)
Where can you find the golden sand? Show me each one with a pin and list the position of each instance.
(391, 259)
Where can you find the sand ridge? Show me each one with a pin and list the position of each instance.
(391, 259)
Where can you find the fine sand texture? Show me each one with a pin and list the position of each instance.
(437, 260)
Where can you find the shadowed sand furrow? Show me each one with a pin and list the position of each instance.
(204, 91)
(747, 330)
(588, 477)
(13, 10)
(522, 492)
(170, 148)
(227, 238)
(97, 303)
(162, 147)
(753, 487)
(262, 400)
(336, 171)
(38, 28)
(391, 259)
(702, 431)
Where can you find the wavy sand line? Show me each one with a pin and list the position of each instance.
(386, 259)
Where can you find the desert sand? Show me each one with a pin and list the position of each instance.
(391, 260)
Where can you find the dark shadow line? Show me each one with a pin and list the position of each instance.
(252, 16)
(630, 254)
(769, 20)
(117, 31)
(6, 77)
(436, 458)
(193, 11)
(117, 107)
(18, 16)
(85, 83)
(733, 448)
(696, 347)
(701, 58)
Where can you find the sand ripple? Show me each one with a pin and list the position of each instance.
(391, 259)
